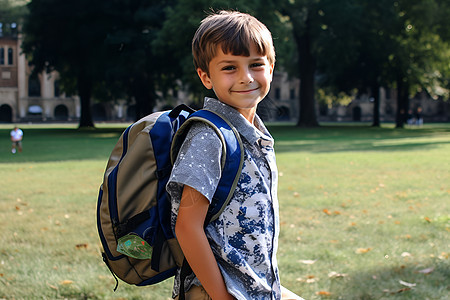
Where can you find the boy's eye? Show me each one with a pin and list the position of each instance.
(256, 65)
(228, 68)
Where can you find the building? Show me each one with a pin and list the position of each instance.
(24, 98)
(361, 108)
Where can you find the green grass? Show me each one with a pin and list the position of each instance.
(369, 204)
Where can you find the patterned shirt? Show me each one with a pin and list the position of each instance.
(244, 239)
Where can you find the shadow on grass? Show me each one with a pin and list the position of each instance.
(404, 281)
(358, 138)
(61, 144)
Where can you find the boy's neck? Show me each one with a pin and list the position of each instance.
(249, 114)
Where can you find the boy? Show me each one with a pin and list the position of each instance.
(235, 256)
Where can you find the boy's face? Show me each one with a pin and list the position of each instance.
(239, 81)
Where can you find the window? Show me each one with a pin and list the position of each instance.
(277, 93)
(57, 89)
(292, 93)
(2, 56)
(34, 86)
(10, 56)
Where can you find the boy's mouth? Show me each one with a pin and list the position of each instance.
(245, 91)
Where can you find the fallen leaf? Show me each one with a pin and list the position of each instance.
(362, 250)
(427, 219)
(323, 293)
(426, 271)
(336, 275)
(66, 282)
(407, 283)
(80, 246)
(326, 211)
(309, 279)
(307, 261)
(52, 286)
(400, 291)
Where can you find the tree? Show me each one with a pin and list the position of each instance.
(303, 19)
(68, 36)
(315, 26)
(136, 66)
(421, 58)
(356, 49)
(373, 44)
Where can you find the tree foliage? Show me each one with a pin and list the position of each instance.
(67, 36)
(131, 49)
(12, 13)
(136, 67)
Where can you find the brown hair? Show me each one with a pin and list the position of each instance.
(234, 32)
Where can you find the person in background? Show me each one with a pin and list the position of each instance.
(16, 139)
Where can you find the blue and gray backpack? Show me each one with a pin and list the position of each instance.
(133, 210)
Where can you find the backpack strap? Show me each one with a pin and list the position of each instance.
(232, 156)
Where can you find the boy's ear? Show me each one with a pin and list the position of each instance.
(204, 77)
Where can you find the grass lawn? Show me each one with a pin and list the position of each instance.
(364, 213)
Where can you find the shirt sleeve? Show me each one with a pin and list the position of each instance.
(198, 163)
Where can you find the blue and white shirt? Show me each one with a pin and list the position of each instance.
(244, 239)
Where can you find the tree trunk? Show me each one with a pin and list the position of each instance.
(307, 68)
(376, 105)
(85, 92)
(402, 102)
(144, 96)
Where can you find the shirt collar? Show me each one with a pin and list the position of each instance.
(252, 133)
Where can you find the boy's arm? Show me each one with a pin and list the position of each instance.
(192, 239)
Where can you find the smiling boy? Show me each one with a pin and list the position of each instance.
(234, 257)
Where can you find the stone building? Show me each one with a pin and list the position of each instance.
(24, 98)
(361, 108)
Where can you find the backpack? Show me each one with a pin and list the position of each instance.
(133, 209)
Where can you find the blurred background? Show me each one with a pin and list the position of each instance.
(89, 61)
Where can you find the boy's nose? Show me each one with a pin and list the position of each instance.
(246, 76)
